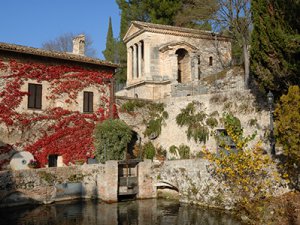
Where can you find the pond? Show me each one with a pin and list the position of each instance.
(140, 212)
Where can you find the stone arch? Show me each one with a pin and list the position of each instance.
(165, 188)
(172, 47)
(166, 184)
(183, 62)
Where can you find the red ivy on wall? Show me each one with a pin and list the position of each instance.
(57, 130)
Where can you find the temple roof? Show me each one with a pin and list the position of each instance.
(138, 27)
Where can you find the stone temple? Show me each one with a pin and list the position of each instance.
(166, 61)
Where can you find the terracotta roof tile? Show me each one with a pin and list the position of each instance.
(54, 54)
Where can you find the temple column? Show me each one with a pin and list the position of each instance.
(134, 61)
(139, 59)
(147, 60)
(129, 65)
(174, 62)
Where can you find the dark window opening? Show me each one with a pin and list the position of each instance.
(35, 96)
(210, 60)
(132, 62)
(52, 160)
(182, 61)
(142, 49)
(137, 61)
(88, 102)
(199, 67)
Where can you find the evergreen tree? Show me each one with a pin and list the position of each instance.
(196, 13)
(121, 74)
(162, 11)
(275, 47)
(287, 124)
(109, 52)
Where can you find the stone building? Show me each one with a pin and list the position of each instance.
(35, 83)
(166, 60)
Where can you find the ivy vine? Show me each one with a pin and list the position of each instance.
(194, 121)
(54, 130)
(154, 117)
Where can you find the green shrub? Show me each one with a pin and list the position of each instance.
(212, 122)
(148, 150)
(183, 151)
(131, 105)
(111, 138)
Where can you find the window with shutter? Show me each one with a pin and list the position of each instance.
(88, 101)
(35, 96)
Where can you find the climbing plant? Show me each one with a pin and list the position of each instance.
(183, 151)
(154, 115)
(54, 130)
(194, 121)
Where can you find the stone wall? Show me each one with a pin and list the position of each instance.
(59, 183)
(241, 103)
(195, 184)
(190, 178)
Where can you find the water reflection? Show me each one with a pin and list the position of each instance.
(142, 212)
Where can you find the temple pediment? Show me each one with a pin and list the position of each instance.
(132, 32)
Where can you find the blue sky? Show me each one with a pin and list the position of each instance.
(33, 22)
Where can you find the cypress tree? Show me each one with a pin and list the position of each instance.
(275, 46)
(121, 74)
(109, 52)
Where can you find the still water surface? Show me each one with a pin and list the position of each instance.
(142, 212)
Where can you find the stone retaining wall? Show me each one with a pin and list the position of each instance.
(241, 104)
(60, 183)
(190, 178)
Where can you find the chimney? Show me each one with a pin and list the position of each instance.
(79, 44)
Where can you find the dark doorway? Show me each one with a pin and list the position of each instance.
(52, 160)
(133, 147)
(183, 65)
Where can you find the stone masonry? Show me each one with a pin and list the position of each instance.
(241, 104)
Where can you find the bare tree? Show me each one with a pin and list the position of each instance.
(64, 43)
(235, 17)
